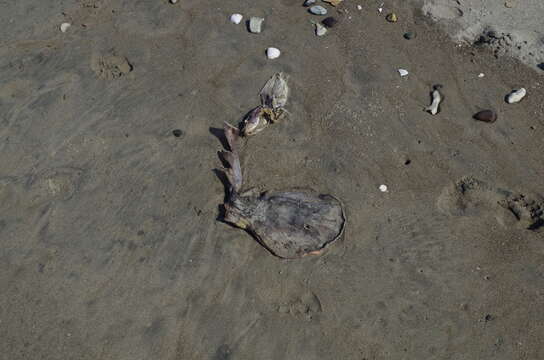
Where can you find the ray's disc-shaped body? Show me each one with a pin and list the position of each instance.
(290, 224)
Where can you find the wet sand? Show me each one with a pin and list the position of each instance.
(111, 243)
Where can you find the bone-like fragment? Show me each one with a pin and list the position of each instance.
(516, 96)
(437, 98)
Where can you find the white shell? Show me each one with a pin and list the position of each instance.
(64, 27)
(236, 18)
(516, 96)
(403, 72)
(383, 188)
(273, 53)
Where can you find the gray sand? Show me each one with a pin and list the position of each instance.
(111, 244)
(515, 25)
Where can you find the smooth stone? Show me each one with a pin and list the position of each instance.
(177, 132)
(256, 24)
(488, 116)
(391, 17)
(236, 18)
(309, 3)
(329, 22)
(409, 35)
(516, 96)
(64, 27)
(273, 53)
(318, 10)
(320, 30)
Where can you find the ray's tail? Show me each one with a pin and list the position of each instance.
(234, 172)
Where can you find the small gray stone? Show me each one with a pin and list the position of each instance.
(256, 24)
(318, 10)
(309, 2)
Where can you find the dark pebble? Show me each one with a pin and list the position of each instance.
(492, 34)
(540, 66)
(177, 133)
(486, 115)
(329, 22)
(409, 35)
(489, 317)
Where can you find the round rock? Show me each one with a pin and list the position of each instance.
(236, 18)
(488, 116)
(177, 132)
(273, 53)
(329, 22)
(318, 10)
(64, 27)
(309, 2)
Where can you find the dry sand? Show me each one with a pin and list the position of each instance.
(111, 246)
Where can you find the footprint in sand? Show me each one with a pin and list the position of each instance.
(53, 184)
(302, 306)
(37, 189)
(110, 67)
(439, 10)
(470, 197)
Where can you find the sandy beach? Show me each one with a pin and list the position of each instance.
(112, 244)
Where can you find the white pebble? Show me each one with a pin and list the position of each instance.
(383, 188)
(359, 7)
(173, 1)
(273, 53)
(403, 72)
(481, 75)
(516, 96)
(256, 24)
(320, 30)
(236, 18)
(64, 27)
